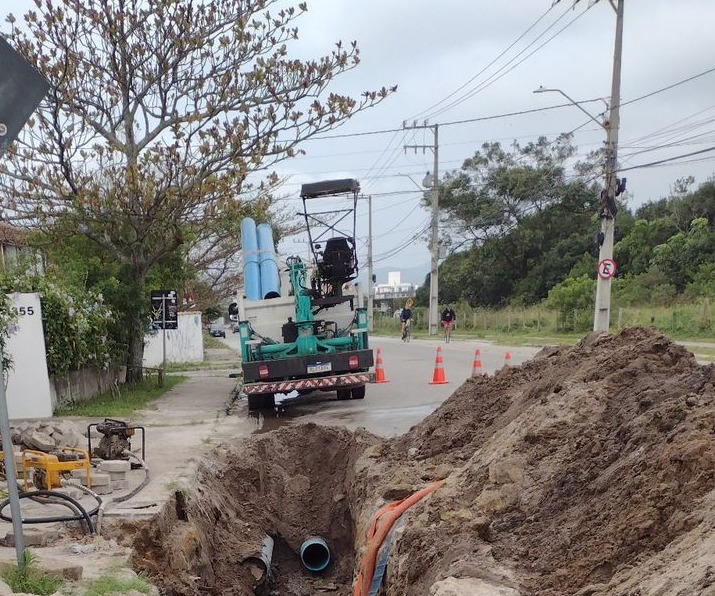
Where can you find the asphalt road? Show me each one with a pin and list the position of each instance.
(391, 408)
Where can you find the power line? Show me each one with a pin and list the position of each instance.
(666, 160)
(491, 79)
(697, 76)
(518, 39)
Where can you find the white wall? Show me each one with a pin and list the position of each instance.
(185, 344)
(28, 388)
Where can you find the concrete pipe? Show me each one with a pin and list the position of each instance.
(315, 554)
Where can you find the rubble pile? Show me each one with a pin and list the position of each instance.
(47, 435)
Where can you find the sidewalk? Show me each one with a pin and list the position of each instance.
(181, 427)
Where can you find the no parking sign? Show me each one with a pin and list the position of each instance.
(606, 269)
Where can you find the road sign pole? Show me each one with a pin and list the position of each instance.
(23, 88)
(163, 359)
(11, 472)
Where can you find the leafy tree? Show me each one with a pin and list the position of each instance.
(496, 189)
(161, 117)
(650, 287)
(680, 258)
(540, 223)
(574, 293)
(634, 252)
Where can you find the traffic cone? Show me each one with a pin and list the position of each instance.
(507, 359)
(379, 371)
(438, 377)
(477, 365)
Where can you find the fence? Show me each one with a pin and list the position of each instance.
(688, 319)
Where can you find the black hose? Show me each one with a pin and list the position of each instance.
(83, 516)
(53, 501)
(144, 482)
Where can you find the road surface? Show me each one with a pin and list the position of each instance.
(391, 408)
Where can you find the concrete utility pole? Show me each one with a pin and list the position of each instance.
(606, 266)
(433, 182)
(370, 281)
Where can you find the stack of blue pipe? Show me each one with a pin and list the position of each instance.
(260, 265)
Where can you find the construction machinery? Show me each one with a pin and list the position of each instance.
(46, 470)
(116, 440)
(313, 334)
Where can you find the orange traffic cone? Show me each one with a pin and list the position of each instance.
(438, 377)
(507, 359)
(379, 371)
(477, 365)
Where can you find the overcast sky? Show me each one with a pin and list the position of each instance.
(458, 60)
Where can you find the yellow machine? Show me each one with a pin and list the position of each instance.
(50, 468)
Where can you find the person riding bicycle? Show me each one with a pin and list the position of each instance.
(448, 318)
(406, 317)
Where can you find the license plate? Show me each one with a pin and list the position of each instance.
(320, 367)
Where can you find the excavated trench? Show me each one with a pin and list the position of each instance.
(589, 471)
(266, 496)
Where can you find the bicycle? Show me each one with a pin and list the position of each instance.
(406, 332)
(447, 330)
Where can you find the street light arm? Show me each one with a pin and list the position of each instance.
(574, 102)
(411, 179)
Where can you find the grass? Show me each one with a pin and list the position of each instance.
(126, 403)
(30, 579)
(108, 585)
(212, 342)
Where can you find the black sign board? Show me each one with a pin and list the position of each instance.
(165, 309)
(22, 88)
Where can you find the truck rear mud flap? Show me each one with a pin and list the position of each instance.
(335, 381)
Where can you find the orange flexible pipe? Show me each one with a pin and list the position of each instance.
(377, 533)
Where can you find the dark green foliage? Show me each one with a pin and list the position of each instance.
(521, 230)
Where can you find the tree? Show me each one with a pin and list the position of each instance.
(680, 258)
(161, 119)
(496, 189)
(525, 222)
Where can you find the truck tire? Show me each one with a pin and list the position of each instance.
(358, 392)
(343, 394)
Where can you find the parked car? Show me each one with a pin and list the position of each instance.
(217, 330)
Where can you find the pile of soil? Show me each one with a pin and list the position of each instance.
(587, 471)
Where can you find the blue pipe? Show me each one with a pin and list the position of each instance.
(315, 554)
(270, 276)
(251, 267)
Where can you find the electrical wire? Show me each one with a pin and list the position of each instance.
(502, 73)
(484, 69)
(666, 160)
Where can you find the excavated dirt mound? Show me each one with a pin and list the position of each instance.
(586, 471)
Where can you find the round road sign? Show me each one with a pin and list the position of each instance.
(606, 269)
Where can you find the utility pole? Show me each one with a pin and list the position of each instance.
(433, 183)
(370, 279)
(606, 265)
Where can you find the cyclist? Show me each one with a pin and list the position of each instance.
(448, 319)
(406, 317)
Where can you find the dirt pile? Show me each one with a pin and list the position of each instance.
(589, 470)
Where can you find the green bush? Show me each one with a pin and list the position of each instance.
(572, 294)
(75, 323)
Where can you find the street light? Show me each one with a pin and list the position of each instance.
(542, 89)
(430, 183)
